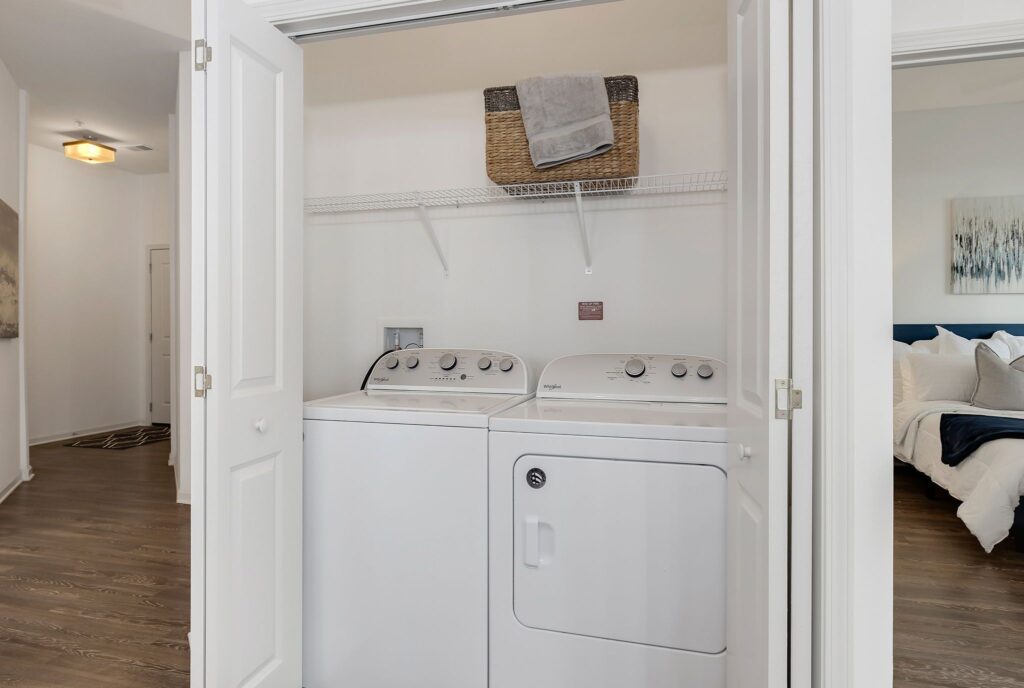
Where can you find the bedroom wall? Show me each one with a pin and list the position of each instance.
(402, 111)
(10, 349)
(85, 254)
(939, 155)
(922, 15)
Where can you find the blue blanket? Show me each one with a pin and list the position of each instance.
(963, 434)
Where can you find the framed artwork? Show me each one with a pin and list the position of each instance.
(988, 245)
(8, 272)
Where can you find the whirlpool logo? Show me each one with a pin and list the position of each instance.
(552, 387)
(382, 379)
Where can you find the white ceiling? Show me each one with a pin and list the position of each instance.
(963, 84)
(112, 64)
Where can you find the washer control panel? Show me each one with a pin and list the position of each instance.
(635, 377)
(451, 370)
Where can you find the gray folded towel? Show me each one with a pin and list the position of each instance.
(567, 118)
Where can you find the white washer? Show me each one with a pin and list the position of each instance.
(608, 526)
(395, 516)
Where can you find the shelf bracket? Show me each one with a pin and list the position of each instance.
(421, 210)
(584, 233)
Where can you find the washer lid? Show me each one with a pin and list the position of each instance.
(449, 409)
(631, 419)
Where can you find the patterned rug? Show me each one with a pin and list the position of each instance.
(125, 439)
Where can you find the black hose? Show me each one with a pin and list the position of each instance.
(367, 378)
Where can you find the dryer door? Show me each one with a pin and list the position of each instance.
(629, 551)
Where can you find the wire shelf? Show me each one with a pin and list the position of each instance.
(631, 186)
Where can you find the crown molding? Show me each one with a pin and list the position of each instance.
(958, 44)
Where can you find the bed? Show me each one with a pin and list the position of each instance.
(990, 482)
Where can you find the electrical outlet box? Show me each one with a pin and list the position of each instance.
(398, 337)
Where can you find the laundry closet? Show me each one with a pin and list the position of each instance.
(407, 246)
(403, 111)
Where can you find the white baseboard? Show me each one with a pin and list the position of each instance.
(46, 439)
(6, 492)
(184, 497)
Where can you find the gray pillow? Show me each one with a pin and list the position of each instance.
(1000, 384)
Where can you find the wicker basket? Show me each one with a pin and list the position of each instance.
(508, 152)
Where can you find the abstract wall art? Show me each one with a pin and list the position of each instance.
(988, 245)
(8, 272)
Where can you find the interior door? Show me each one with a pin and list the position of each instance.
(253, 466)
(758, 312)
(160, 335)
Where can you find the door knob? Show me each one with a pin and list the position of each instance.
(260, 425)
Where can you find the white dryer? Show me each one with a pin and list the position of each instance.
(608, 526)
(395, 521)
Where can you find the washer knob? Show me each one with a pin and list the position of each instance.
(635, 367)
(484, 363)
(679, 370)
(506, 364)
(412, 362)
(705, 371)
(448, 361)
(391, 362)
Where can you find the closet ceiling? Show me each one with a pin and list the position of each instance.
(112, 64)
(963, 84)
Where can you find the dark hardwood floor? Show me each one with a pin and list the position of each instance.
(94, 572)
(959, 613)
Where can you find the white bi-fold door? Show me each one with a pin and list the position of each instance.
(248, 104)
(760, 318)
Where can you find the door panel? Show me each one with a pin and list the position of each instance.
(759, 324)
(253, 119)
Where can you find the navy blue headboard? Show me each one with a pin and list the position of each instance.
(912, 333)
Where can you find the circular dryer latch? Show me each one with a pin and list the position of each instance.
(536, 478)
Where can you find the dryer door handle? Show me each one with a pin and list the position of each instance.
(531, 542)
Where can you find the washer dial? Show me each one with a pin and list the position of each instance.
(412, 362)
(635, 367)
(679, 370)
(506, 365)
(484, 363)
(448, 361)
(391, 362)
(705, 371)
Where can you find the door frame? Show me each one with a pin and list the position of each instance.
(148, 401)
(853, 514)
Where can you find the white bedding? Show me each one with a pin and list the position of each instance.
(989, 483)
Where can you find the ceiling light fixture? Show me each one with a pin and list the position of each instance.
(89, 152)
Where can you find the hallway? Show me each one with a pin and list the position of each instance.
(94, 572)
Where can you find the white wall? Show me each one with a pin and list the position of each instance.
(939, 155)
(86, 271)
(10, 366)
(403, 111)
(923, 15)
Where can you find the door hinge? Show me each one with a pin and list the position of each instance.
(204, 55)
(203, 381)
(151, 407)
(150, 336)
(793, 399)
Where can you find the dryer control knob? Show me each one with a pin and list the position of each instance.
(391, 362)
(448, 361)
(484, 363)
(679, 370)
(635, 367)
(705, 371)
(506, 365)
(412, 362)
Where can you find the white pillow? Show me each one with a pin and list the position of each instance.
(900, 350)
(1014, 345)
(939, 377)
(925, 346)
(952, 343)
